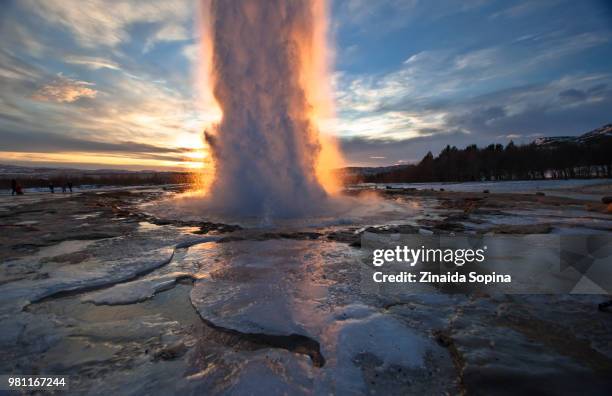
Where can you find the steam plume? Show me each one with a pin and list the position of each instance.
(269, 78)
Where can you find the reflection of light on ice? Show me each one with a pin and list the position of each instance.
(282, 287)
(369, 332)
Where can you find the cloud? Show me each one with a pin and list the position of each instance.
(37, 141)
(563, 106)
(573, 94)
(559, 45)
(13, 68)
(146, 109)
(93, 62)
(525, 76)
(64, 90)
(167, 32)
(95, 23)
(522, 9)
(16, 33)
(367, 151)
(433, 89)
(191, 51)
(132, 114)
(569, 105)
(478, 59)
(390, 15)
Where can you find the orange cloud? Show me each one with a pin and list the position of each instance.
(65, 90)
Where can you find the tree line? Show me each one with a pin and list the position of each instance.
(512, 162)
(115, 179)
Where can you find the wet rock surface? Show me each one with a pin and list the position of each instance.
(122, 300)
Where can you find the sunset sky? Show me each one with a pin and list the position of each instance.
(101, 84)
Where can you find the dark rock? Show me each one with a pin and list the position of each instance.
(605, 306)
(68, 258)
(485, 191)
(291, 235)
(170, 352)
(522, 229)
(231, 239)
(606, 200)
(449, 226)
(394, 229)
(540, 193)
(443, 339)
(348, 236)
(218, 228)
(356, 243)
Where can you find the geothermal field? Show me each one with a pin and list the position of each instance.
(258, 279)
(128, 290)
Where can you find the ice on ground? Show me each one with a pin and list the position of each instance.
(187, 260)
(381, 336)
(108, 261)
(512, 186)
(136, 291)
(269, 372)
(124, 329)
(87, 275)
(273, 287)
(263, 283)
(293, 287)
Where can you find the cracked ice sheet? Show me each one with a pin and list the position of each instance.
(184, 265)
(90, 274)
(188, 258)
(133, 292)
(282, 287)
(112, 260)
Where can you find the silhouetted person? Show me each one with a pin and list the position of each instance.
(18, 189)
(64, 188)
(70, 186)
(13, 186)
(51, 188)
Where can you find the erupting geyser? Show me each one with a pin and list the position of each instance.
(268, 73)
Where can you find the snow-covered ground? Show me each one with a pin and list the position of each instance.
(518, 186)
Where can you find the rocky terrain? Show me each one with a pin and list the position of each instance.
(124, 297)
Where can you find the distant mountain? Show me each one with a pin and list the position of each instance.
(594, 136)
(15, 170)
(605, 132)
(370, 171)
